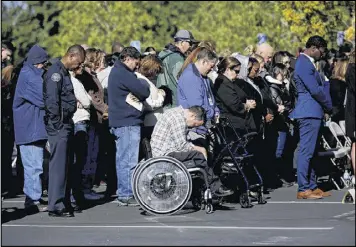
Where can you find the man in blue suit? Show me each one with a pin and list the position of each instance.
(312, 105)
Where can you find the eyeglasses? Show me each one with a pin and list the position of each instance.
(189, 41)
(322, 53)
(237, 71)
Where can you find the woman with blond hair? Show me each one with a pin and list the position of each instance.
(338, 89)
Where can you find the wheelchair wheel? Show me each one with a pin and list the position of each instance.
(162, 185)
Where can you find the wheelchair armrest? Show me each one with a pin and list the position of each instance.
(249, 135)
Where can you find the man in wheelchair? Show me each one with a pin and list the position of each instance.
(169, 138)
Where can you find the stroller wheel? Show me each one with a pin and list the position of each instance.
(209, 208)
(261, 198)
(245, 201)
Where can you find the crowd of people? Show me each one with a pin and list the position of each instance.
(89, 110)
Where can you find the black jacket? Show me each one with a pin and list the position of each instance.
(230, 99)
(268, 103)
(350, 102)
(260, 111)
(280, 96)
(58, 95)
(337, 93)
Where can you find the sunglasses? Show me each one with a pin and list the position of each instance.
(237, 71)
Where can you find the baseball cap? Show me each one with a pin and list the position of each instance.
(185, 35)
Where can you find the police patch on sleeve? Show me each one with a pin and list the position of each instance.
(56, 77)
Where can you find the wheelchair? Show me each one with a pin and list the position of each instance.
(164, 185)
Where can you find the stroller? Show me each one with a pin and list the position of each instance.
(234, 162)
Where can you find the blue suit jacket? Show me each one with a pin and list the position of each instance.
(313, 91)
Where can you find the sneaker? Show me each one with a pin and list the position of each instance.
(36, 207)
(223, 191)
(44, 193)
(128, 202)
(285, 183)
(122, 202)
(132, 202)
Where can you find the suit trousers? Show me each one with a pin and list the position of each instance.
(309, 129)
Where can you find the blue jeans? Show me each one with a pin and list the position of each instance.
(32, 160)
(281, 143)
(127, 141)
(309, 135)
(81, 126)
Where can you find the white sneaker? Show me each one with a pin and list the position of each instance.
(91, 195)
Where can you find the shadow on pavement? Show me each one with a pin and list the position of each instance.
(12, 213)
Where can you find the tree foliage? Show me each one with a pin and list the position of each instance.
(324, 18)
(28, 23)
(98, 24)
(231, 25)
(235, 25)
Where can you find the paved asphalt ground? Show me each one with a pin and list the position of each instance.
(282, 221)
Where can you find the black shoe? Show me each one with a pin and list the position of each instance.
(223, 191)
(61, 213)
(77, 209)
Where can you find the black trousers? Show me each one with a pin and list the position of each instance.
(7, 145)
(106, 158)
(60, 161)
(80, 149)
(199, 161)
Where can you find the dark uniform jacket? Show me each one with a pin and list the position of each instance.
(59, 98)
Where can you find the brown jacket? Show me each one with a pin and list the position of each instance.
(96, 92)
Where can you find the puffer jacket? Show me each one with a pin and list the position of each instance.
(173, 60)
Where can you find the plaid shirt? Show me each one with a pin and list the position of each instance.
(170, 133)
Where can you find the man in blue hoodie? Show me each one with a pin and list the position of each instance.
(30, 131)
(313, 101)
(125, 120)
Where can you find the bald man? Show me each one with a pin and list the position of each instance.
(265, 51)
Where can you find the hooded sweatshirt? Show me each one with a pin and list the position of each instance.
(28, 106)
